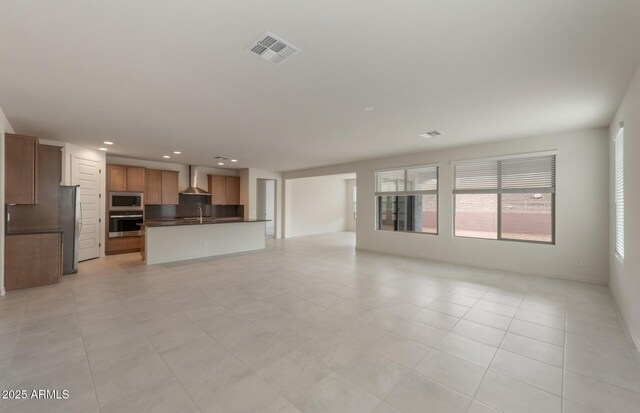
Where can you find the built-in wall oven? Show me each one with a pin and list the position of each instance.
(125, 201)
(125, 223)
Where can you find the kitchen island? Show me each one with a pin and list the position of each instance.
(177, 240)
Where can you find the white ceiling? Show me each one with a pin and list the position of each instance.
(156, 76)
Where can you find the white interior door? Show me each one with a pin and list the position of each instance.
(86, 174)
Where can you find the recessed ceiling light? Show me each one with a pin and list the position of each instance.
(103, 149)
(221, 163)
(368, 108)
(234, 160)
(108, 143)
(177, 152)
(430, 134)
(166, 156)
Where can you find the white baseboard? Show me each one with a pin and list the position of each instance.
(634, 335)
(492, 267)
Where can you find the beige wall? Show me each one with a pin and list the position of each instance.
(316, 205)
(582, 209)
(625, 276)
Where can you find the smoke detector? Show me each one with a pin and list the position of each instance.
(430, 134)
(273, 49)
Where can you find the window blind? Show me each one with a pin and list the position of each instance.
(391, 181)
(619, 193)
(513, 175)
(415, 180)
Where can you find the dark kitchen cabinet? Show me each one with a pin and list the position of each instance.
(21, 169)
(33, 241)
(44, 214)
(32, 260)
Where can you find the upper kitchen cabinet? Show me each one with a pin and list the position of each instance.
(153, 187)
(116, 178)
(125, 178)
(170, 190)
(225, 190)
(233, 190)
(218, 189)
(43, 214)
(161, 187)
(135, 179)
(21, 169)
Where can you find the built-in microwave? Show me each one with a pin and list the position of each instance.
(125, 201)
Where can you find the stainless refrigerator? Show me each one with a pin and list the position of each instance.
(70, 217)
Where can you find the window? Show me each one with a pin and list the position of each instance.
(619, 193)
(506, 199)
(407, 200)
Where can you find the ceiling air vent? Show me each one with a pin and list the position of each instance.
(273, 49)
(430, 134)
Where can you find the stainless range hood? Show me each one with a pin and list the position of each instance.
(193, 183)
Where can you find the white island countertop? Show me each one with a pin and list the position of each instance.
(178, 240)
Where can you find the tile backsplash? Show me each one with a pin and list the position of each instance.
(188, 207)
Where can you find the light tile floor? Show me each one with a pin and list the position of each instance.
(311, 325)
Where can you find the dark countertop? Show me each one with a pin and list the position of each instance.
(180, 222)
(34, 231)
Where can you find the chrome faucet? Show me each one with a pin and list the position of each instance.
(200, 213)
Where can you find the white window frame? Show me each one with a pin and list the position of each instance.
(499, 192)
(406, 192)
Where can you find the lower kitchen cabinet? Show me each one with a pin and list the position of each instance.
(32, 260)
(123, 245)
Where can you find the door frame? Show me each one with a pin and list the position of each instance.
(352, 201)
(261, 203)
